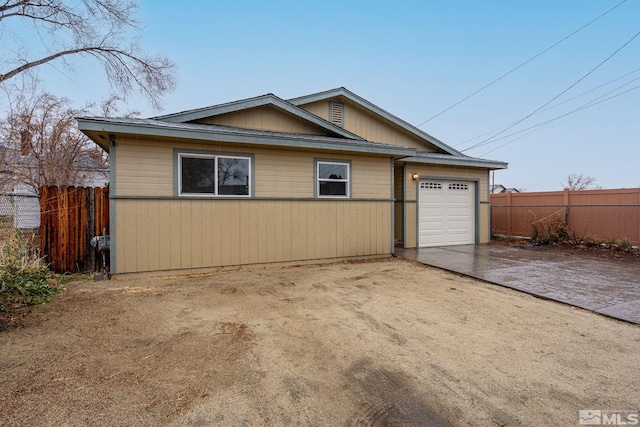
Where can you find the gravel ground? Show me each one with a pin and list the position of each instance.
(385, 342)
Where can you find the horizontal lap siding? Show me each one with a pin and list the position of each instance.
(178, 234)
(280, 173)
(145, 168)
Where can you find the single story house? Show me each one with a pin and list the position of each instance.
(264, 180)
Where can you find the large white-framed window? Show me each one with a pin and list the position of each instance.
(333, 179)
(214, 175)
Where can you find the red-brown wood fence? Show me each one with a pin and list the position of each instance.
(69, 218)
(601, 214)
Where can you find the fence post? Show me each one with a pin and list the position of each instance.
(509, 214)
(91, 225)
(566, 207)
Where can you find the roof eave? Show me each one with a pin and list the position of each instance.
(217, 135)
(457, 161)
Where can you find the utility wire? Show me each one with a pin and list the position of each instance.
(521, 65)
(534, 127)
(489, 140)
(563, 102)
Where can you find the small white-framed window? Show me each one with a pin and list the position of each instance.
(333, 179)
(214, 175)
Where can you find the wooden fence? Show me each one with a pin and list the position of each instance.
(600, 214)
(69, 218)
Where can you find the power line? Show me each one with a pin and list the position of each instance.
(563, 102)
(488, 140)
(523, 64)
(583, 107)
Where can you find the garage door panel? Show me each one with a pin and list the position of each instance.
(446, 213)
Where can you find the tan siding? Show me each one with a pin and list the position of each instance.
(398, 204)
(410, 210)
(485, 223)
(447, 172)
(373, 128)
(174, 227)
(164, 239)
(371, 177)
(265, 118)
(319, 108)
(252, 231)
(369, 126)
(145, 168)
(284, 174)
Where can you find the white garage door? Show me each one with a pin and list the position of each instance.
(446, 213)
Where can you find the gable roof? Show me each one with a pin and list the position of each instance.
(258, 101)
(182, 125)
(341, 91)
(98, 128)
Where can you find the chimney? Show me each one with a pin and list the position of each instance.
(25, 143)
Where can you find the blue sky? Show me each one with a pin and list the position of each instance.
(415, 59)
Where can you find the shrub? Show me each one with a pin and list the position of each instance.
(547, 230)
(24, 277)
(625, 244)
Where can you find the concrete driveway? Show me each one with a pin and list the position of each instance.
(604, 286)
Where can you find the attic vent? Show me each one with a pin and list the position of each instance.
(336, 113)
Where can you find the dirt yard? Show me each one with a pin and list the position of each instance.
(374, 343)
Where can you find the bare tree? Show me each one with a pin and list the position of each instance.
(95, 28)
(44, 145)
(578, 182)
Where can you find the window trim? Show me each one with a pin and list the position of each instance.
(179, 154)
(317, 180)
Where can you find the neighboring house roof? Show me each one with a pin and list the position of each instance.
(268, 99)
(94, 172)
(96, 126)
(499, 189)
(12, 156)
(341, 91)
(454, 160)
